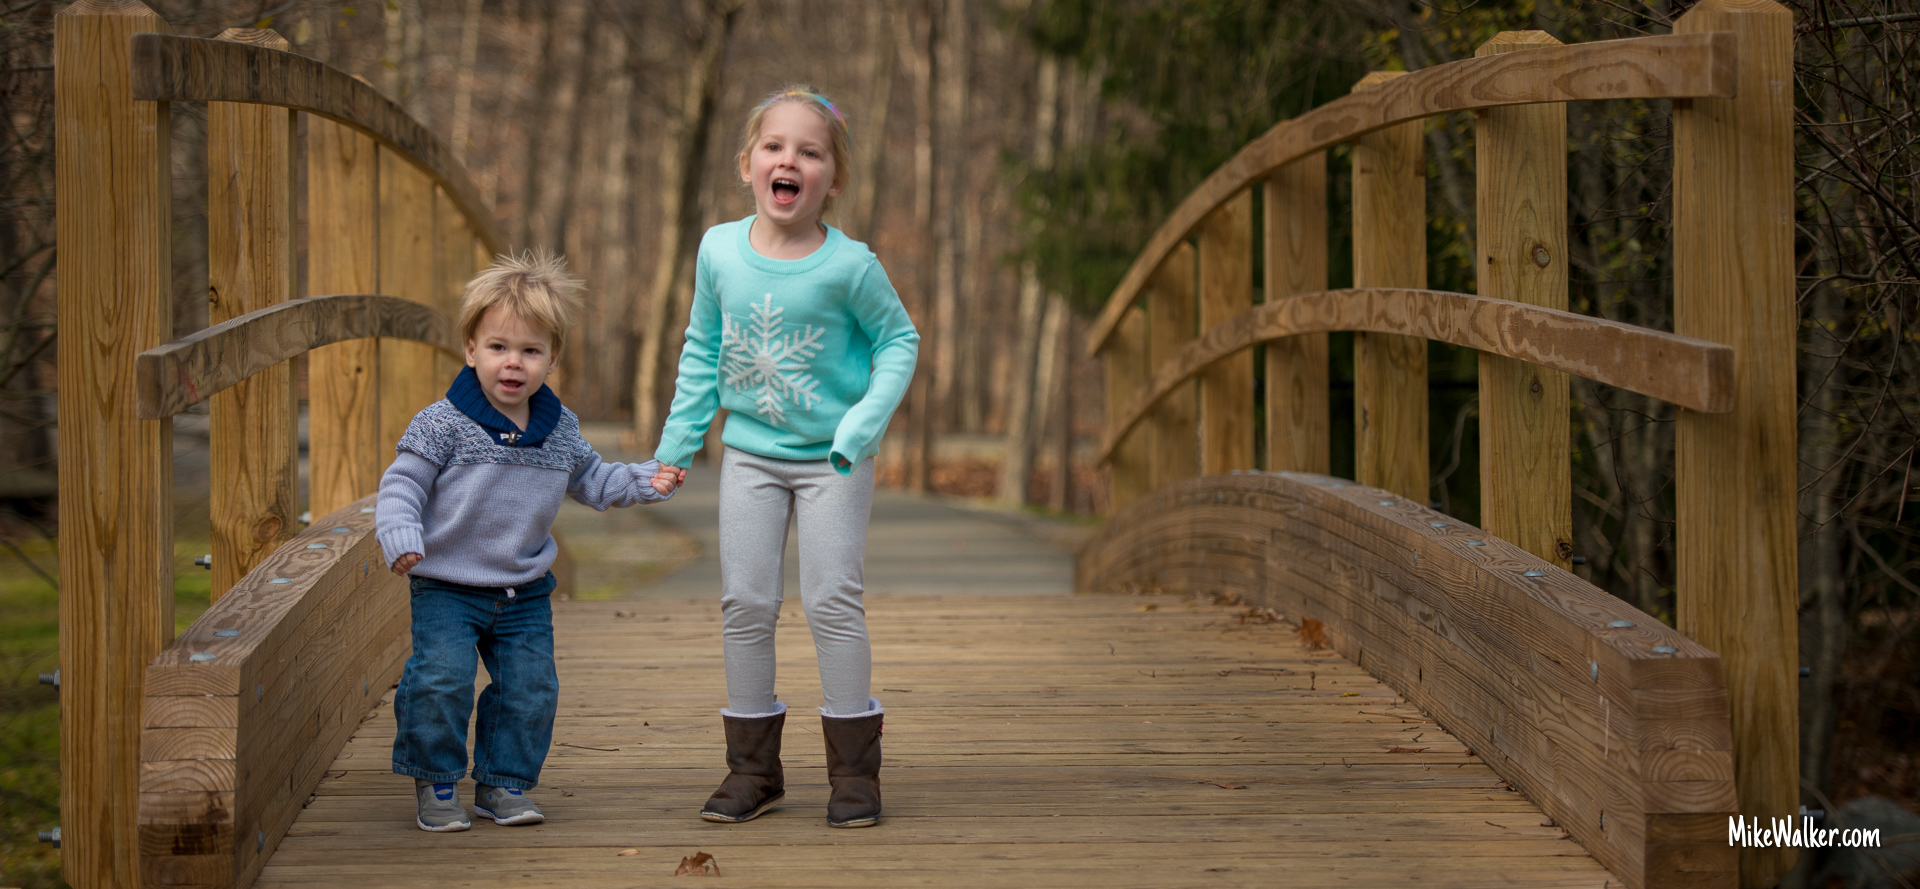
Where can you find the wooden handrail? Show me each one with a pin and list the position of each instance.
(1681, 370)
(188, 370)
(1613, 723)
(1675, 66)
(191, 69)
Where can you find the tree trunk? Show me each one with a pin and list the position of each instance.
(1047, 366)
(1017, 465)
(870, 145)
(607, 316)
(679, 191)
(463, 86)
(916, 49)
(950, 188)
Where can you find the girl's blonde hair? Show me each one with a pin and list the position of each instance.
(534, 286)
(838, 141)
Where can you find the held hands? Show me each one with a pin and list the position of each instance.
(405, 563)
(668, 479)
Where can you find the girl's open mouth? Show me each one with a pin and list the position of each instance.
(785, 191)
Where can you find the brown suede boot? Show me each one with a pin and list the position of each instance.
(754, 779)
(853, 767)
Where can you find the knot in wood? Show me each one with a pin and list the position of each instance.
(1541, 257)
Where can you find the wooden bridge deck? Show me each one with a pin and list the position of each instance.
(1031, 741)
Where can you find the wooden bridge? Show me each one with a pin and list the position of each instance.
(1138, 741)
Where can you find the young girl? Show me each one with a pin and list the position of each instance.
(796, 330)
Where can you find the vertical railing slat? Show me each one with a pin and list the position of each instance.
(252, 447)
(1225, 245)
(1174, 443)
(343, 410)
(1526, 493)
(408, 372)
(1127, 373)
(1296, 262)
(113, 187)
(1390, 250)
(453, 257)
(1737, 584)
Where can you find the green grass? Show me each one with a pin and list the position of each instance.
(30, 712)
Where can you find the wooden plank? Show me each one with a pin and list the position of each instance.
(1170, 326)
(1296, 263)
(1225, 259)
(1526, 476)
(189, 69)
(453, 266)
(1390, 250)
(1675, 66)
(1737, 587)
(188, 370)
(252, 446)
(342, 257)
(113, 187)
(1570, 694)
(408, 378)
(1126, 367)
(1693, 373)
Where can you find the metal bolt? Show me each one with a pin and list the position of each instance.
(1476, 543)
(1535, 573)
(306, 518)
(1541, 257)
(226, 634)
(1579, 560)
(316, 546)
(51, 836)
(366, 509)
(1806, 672)
(342, 529)
(201, 657)
(1664, 649)
(1436, 524)
(52, 679)
(1386, 503)
(205, 561)
(281, 580)
(259, 690)
(259, 840)
(1620, 624)
(1593, 669)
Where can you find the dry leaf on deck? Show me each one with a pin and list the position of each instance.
(1313, 634)
(1150, 606)
(625, 852)
(699, 864)
(623, 614)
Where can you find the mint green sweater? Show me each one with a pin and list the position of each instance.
(811, 355)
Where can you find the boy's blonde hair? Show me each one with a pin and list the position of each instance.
(838, 142)
(534, 286)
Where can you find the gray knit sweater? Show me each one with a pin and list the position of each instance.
(481, 513)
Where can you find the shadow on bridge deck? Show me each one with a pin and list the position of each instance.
(1033, 739)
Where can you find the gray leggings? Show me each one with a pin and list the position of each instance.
(757, 495)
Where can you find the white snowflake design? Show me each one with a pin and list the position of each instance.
(768, 364)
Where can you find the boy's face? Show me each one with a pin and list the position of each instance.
(790, 165)
(512, 359)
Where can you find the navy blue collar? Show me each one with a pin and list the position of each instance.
(544, 412)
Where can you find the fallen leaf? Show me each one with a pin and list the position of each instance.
(566, 793)
(1313, 634)
(623, 614)
(1408, 750)
(626, 852)
(1548, 823)
(699, 864)
(1150, 606)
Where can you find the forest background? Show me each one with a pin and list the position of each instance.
(1010, 157)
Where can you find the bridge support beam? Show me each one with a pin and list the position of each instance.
(1738, 588)
(113, 183)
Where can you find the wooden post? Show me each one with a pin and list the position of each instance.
(453, 266)
(1737, 580)
(1127, 373)
(1170, 320)
(1526, 480)
(1296, 245)
(1390, 250)
(343, 404)
(1226, 291)
(253, 446)
(406, 269)
(113, 187)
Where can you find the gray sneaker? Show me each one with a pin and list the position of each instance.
(505, 805)
(440, 809)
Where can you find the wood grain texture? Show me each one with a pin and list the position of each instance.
(1737, 584)
(167, 68)
(1225, 259)
(1692, 373)
(409, 378)
(1390, 250)
(1170, 327)
(186, 371)
(343, 395)
(1674, 66)
(1126, 368)
(253, 446)
(1296, 263)
(243, 725)
(113, 187)
(1587, 705)
(453, 265)
(1520, 174)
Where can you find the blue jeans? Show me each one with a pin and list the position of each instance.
(513, 636)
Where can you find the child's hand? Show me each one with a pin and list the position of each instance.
(405, 563)
(668, 479)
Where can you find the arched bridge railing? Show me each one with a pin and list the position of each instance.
(185, 760)
(1633, 736)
